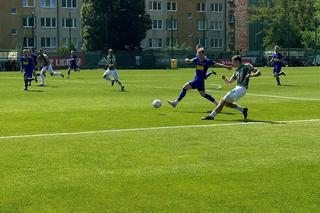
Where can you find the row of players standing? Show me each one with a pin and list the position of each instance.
(31, 62)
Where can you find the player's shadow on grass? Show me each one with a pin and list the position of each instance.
(35, 90)
(194, 112)
(258, 121)
(287, 85)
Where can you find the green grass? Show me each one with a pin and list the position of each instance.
(261, 166)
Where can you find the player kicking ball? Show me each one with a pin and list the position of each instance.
(202, 64)
(111, 70)
(242, 75)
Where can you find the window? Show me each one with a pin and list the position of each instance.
(202, 24)
(28, 42)
(65, 41)
(201, 7)
(48, 3)
(28, 22)
(157, 24)
(67, 22)
(216, 25)
(216, 43)
(189, 34)
(155, 42)
(13, 31)
(69, 3)
(189, 15)
(48, 42)
(172, 24)
(13, 11)
(48, 22)
(27, 3)
(172, 6)
(174, 42)
(216, 7)
(154, 5)
(200, 42)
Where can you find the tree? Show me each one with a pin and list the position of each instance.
(288, 23)
(118, 24)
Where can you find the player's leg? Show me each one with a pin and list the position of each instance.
(25, 79)
(211, 73)
(54, 73)
(202, 92)
(233, 96)
(69, 71)
(276, 75)
(182, 94)
(217, 110)
(42, 76)
(116, 78)
(106, 75)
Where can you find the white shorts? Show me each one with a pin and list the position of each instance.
(113, 73)
(235, 94)
(45, 68)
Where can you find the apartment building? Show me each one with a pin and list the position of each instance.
(219, 25)
(46, 24)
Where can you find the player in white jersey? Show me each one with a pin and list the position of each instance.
(44, 63)
(111, 73)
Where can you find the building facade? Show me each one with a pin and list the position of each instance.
(218, 25)
(46, 24)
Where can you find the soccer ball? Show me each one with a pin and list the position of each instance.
(156, 103)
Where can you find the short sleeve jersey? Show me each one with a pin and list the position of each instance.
(202, 67)
(27, 64)
(277, 56)
(111, 61)
(241, 75)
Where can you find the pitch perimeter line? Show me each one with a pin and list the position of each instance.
(152, 128)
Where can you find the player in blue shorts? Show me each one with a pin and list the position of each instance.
(73, 63)
(276, 61)
(34, 58)
(27, 67)
(202, 64)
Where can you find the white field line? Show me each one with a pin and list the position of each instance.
(217, 87)
(154, 128)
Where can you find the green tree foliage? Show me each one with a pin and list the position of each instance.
(118, 24)
(289, 23)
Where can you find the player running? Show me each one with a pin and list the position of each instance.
(277, 64)
(111, 69)
(242, 75)
(202, 64)
(45, 64)
(34, 58)
(27, 68)
(73, 63)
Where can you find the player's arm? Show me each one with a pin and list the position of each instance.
(222, 66)
(189, 60)
(230, 81)
(254, 72)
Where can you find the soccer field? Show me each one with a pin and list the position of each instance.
(80, 145)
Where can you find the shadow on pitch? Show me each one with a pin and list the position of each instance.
(35, 90)
(255, 121)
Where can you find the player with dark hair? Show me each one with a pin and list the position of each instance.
(45, 64)
(27, 68)
(202, 64)
(111, 69)
(242, 75)
(276, 61)
(73, 63)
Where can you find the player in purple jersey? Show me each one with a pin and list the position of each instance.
(202, 64)
(276, 61)
(27, 66)
(34, 58)
(73, 63)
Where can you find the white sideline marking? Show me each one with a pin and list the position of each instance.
(284, 97)
(154, 128)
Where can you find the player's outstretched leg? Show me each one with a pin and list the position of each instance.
(55, 73)
(42, 78)
(69, 70)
